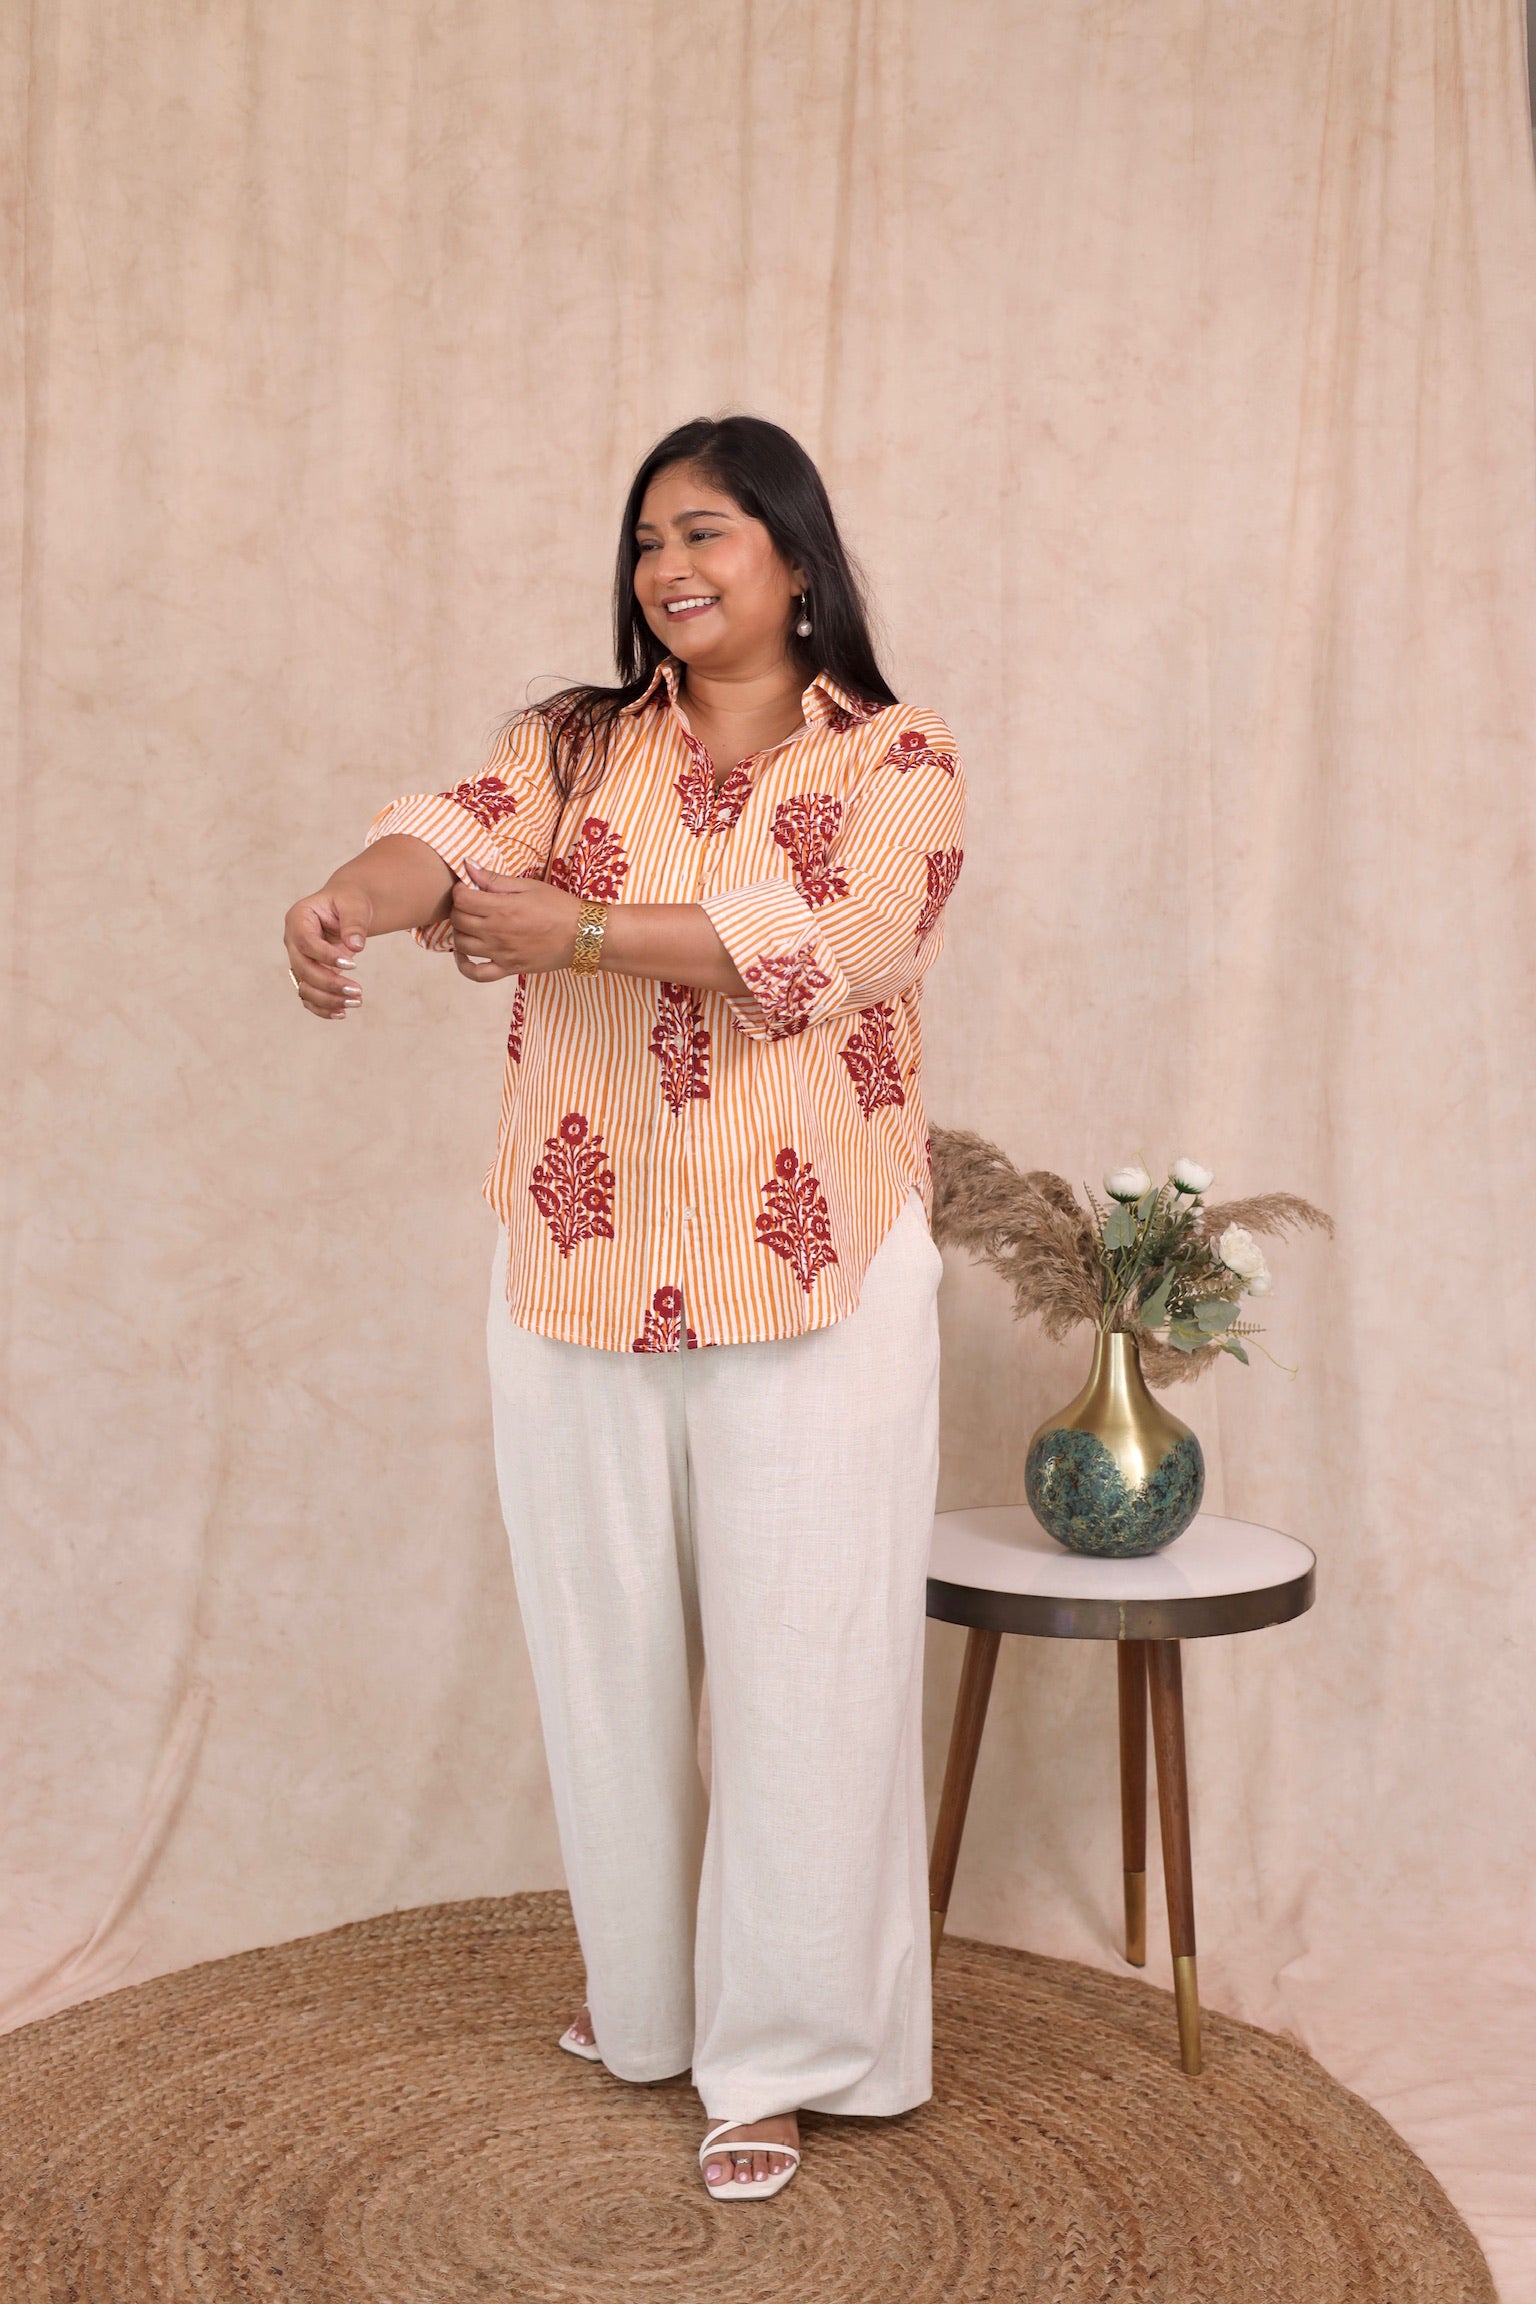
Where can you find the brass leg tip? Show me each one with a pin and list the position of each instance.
(1136, 1919)
(1186, 2000)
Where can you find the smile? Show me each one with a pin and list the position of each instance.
(694, 607)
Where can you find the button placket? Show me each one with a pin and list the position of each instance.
(710, 853)
(688, 1227)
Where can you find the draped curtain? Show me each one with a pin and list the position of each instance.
(1170, 362)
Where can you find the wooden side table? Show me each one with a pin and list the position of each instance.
(996, 1571)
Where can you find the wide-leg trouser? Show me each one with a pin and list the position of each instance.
(767, 1507)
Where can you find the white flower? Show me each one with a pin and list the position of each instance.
(1241, 1253)
(1127, 1183)
(1259, 1285)
(1190, 1177)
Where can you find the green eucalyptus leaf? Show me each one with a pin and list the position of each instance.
(1215, 1313)
(1236, 1350)
(1185, 1338)
(1146, 1204)
(1120, 1230)
(1154, 1309)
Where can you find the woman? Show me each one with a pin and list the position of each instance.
(712, 1330)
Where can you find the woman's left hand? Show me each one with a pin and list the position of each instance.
(505, 926)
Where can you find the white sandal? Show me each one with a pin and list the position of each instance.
(588, 2049)
(763, 2187)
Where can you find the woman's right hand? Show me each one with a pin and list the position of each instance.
(323, 934)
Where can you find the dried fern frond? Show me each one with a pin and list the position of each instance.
(973, 1185)
(1056, 1189)
(1030, 1228)
(1164, 1364)
(1275, 1212)
(1050, 1266)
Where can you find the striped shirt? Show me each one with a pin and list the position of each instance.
(676, 1168)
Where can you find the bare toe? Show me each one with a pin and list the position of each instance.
(739, 2158)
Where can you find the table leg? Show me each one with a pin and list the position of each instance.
(1131, 1656)
(964, 1743)
(1166, 1688)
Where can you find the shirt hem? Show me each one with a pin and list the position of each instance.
(561, 1330)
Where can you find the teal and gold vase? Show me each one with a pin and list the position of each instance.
(1114, 1474)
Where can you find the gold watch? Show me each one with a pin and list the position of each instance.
(590, 923)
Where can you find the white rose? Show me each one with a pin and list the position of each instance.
(1127, 1183)
(1190, 1177)
(1241, 1253)
(1259, 1285)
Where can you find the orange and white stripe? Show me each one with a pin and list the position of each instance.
(675, 1168)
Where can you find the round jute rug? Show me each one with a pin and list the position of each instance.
(381, 2116)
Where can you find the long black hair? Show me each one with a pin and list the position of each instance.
(765, 470)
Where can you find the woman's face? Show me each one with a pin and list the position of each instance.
(709, 580)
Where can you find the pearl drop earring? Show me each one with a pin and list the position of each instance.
(803, 628)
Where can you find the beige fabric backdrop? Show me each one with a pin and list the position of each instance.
(1171, 362)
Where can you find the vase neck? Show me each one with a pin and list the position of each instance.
(1116, 1372)
(1116, 1345)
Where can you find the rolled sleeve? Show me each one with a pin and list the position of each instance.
(501, 820)
(898, 859)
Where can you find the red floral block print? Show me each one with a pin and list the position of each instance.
(695, 788)
(519, 1012)
(664, 1330)
(731, 798)
(562, 716)
(704, 809)
(842, 717)
(785, 988)
(913, 750)
(871, 1058)
(595, 866)
(805, 828)
(487, 800)
(797, 1224)
(572, 1185)
(943, 871)
(680, 1044)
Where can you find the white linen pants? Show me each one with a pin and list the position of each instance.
(767, 1507)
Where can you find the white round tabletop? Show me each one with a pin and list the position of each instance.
(995, 1567)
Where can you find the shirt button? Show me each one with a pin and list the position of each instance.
(687, 1215)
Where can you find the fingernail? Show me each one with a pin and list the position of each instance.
(346, 963)
(356, 943)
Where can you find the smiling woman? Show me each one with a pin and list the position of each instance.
(726, 528)
(719, 885)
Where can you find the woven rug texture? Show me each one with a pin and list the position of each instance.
(380, 2115)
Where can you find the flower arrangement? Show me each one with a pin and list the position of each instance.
(1159, 1261)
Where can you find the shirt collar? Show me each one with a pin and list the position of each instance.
(666, 675)
(824, 697)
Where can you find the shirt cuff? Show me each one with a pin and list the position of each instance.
(452, 833)
(791, 973)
